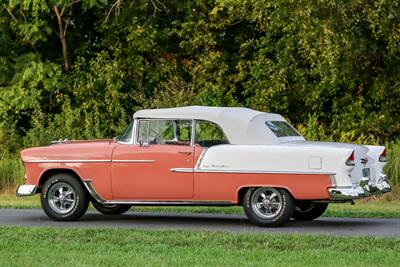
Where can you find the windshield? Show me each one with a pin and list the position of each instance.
(281, 128)
(126, 137)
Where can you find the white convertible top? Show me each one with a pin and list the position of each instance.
(240, 125)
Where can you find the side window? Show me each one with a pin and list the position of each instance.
(170, 132)
(209, 134)
(143, 133)
(183, 132)
(160, 131)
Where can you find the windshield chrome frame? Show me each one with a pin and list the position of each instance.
(132, 137)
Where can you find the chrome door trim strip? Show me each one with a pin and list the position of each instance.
(134, 160)
(66, 160)
(89, 160)
(245, 171)
(181, 170)
(259, 171)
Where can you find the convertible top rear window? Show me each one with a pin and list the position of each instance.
(281, 128)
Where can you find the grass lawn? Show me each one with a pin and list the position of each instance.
(21, 246)
(379, 208)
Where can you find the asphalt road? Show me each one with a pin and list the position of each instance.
(213, 222)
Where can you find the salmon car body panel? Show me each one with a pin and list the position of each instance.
(87, 159)
(208, 155)
(144, 172)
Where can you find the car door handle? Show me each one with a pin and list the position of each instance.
(185, 152)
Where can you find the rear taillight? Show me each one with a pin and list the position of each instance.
(382, 157)
(350, 160)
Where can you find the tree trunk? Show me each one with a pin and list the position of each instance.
(62, 35)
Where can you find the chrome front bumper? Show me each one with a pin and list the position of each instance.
(366, 188)
(26, 190)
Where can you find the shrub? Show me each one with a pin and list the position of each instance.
(392, 168)
(11, 172)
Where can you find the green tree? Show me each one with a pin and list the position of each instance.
(80, 68)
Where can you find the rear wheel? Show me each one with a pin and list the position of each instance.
(268, 206)
(110, 209)
(63, 198)
(307, 211)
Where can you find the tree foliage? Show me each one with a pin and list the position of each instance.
(331, 67)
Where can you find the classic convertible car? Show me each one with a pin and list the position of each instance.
(196, 155)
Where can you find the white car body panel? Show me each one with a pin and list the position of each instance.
(278, 159)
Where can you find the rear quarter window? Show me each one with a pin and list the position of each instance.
(281, 128)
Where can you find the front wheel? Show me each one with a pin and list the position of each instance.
(268, 206)
(110, 209)
(307, 211)
(63, 198)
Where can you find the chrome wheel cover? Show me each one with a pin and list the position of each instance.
(61, 198)
(266, 202)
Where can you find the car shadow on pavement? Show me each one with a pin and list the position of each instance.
(220, 221)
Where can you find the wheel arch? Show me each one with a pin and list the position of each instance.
(51, 172)
(243, 189)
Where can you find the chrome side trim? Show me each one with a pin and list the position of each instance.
(93, 193)
(26, 190)
(181, 170)
(134, 160)
(245, 171)
(88, 160)
(66, 160)
(258, 171)
(200, 158)
(169, 203)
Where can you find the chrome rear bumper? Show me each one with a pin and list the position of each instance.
(26, 190)
(364, 189)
